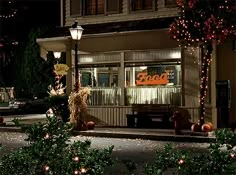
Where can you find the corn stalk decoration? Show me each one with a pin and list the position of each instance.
(60, 70)
(57, 91)
(78, 108)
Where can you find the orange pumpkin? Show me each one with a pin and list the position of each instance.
(1, 119)
(207, 127)
(195, 127)
(90, 125)
(210, 125)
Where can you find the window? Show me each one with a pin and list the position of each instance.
(170, 3)
(153, 75)
(137, 5)
(114, 6)
(95, 7)
(75, 7)
(99, 77)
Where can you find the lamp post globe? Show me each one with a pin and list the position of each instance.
(76, 33)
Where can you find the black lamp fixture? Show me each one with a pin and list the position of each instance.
(76, 33)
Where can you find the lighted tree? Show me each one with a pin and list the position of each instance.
(7, 10)
(200, 24)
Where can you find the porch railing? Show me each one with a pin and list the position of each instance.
(136, 95)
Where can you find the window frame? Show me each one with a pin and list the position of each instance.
(119, 7)
(131, 5)
(85, 8)
(82, 8)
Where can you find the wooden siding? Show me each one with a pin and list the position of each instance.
(116, 115)
(109, 115)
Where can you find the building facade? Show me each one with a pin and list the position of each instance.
(126, 56)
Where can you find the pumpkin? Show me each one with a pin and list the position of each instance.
(90, 125)
(1, 119)
(195, 127)
(207, 127)
(210, 124)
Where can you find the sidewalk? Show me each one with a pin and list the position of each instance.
(135, 133)
(149, 134)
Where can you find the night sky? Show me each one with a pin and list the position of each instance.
(29, 14)
(24, 16)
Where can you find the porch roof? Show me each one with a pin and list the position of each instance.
(56, 39)
(145, 24)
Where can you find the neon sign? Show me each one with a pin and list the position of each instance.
(144, 79)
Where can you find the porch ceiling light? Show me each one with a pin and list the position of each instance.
(57, 55)
(143, 67)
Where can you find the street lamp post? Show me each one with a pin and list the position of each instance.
(76, 33)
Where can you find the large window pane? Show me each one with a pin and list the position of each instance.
(153, 75)
(104, 85)
(153, 84)
(99, 77)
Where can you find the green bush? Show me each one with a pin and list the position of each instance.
(59, 105)
(166, 158)
(217, 160)
(51, 152)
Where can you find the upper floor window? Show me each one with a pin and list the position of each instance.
(113, 6)
(75, 6)
(137, 5)
(94, 7)
(170, 3)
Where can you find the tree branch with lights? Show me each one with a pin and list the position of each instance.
(200, 24)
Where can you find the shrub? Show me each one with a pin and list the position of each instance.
(59, 105)
(50, 152)
(166, 158)
(218, 160)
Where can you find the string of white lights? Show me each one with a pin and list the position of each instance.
(11, 14)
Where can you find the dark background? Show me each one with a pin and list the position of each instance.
(14, 31)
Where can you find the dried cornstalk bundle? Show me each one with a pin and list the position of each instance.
(78, 106)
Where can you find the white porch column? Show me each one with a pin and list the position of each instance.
(122, 78)
(132, 76)
(213, 71)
